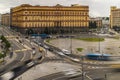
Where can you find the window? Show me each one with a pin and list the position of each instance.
(25, 18)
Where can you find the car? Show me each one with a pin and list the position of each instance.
(60, 53)
(33, 52)
(50, 49)
(40, 44)
(31, 64)
(46, 47)
(65, 51)
(40, 49)
(33, 48)
(72, 74)
(26, 37)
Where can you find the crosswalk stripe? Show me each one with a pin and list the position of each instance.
(20, 50)
(95, 67)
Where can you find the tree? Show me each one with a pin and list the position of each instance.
(1, 55)
(46, 31)
(29, 31)
(6, 44)
(3, 38)
(92, 25)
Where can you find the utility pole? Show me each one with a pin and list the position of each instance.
(99, 45)
(82, 69)
(71, 44)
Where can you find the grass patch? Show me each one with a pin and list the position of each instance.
(111, 53)
(91, 39)
(48, 40)
(108, 48)
(80, 49)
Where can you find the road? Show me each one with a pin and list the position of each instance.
(23, 51)
(96, 72)
(53, 66)
(64, 59)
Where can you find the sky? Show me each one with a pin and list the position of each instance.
(97, 8)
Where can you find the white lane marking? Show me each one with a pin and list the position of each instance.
(23, 56)
(88, 77)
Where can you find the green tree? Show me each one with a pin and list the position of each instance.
(46, 31)
(1, 55)
(3, 38)
(6, 44)
(29, 31)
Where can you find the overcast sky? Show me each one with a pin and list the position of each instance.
(98, 8)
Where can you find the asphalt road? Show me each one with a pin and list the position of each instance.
(25, 55)
(61, 76)
(17, 65)
(20, 56)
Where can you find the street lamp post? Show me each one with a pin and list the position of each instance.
(99, 45)
(82, 68)
(71, 43)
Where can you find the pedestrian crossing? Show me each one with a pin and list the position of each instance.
(54, 59)
(95, 67)
(95, 62)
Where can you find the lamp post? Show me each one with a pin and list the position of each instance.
(71, 42)
(82, 68)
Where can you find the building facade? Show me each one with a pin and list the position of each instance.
(95, 23)
(115, 18)
(44, 19)
(5, 19)
(0, 19)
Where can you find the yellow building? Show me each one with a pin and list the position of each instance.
(115, 18)
(5, 19)
(41, 19)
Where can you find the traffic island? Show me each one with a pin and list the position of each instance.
(91, 39)
(79, 49)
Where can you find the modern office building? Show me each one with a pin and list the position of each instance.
(45, 19)
(115, 18)
(5, 19)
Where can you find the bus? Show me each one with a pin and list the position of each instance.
(98, 56)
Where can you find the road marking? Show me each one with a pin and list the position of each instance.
(115, 66)
(26, 46)
(23, 45)
(23, 57)
(21, 50)
(10, 36)
(88, 77)
(95, 67)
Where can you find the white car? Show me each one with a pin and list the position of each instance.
(46, 47)
(66, 51)
(72, 73)
(60, 53)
